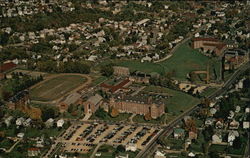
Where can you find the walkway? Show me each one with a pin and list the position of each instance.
(96, 149)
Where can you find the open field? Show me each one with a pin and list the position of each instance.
(179, 101)
(145, 67)
(184, 60)
(56, 87)
(208, 91)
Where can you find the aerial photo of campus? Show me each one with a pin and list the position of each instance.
(124, 79)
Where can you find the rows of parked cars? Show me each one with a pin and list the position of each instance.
(150, 137)
(112, 133)
(125, 134)
(92, 137)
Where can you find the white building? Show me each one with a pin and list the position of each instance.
(60, 123)
(131, 147)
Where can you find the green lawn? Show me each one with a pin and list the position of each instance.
(108, 151)
(218, 148)
(184, 60)
(120, 117)
(56, 87)
(176, 144)
(98, 80)
(6, 143)
(197, 145)
(208, 92)
(179, 101)
(159, 120)
(33, 132)
(145, 67)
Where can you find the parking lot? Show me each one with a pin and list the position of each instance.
(84, 136)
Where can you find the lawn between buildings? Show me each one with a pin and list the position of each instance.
(56, 87)
(184, 60)
(178, 102)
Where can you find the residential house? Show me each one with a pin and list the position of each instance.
(33, 152)
(60, 123)
(191, 154)
(92, 104)
(131, 147)
(217, 138)
(209, 121)
(219, 124)
(212, 111)
(234, 124)
(232, 136)
(8, 121)
(122, 155)
(237, 109)
(20, 135)
(49, 123)
(20, 121)
(159, 154)
(231, 115)
(27, 122)
(246, 125)
(247, 110)
(179, 133)
(192, 135)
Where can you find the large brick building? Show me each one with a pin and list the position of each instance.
(121, 71)
(6, 67)
(234, 58)
(74, 98)
(139, 104)
(120, 87)
(92, 104)
(19, 101)
(209, 44)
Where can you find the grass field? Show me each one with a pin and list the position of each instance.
(184, 60)
(56, 87)
(179, 101)
(145, 67)
(208, 92)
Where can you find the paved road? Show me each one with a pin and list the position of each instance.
(168, 129)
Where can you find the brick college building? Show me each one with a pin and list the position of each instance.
(139, 104)
(209, 44)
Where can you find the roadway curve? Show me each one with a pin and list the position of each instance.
(169, 127)
(84, 85)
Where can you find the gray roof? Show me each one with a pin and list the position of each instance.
(72, 98)
(95, 99)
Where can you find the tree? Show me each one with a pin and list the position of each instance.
(6, 95)
(114, 112)
(200, 11)
(214, 154)
(100, 113)
(71, 108)
(120, 148)
(48, 113)
(107, 70)
(237, 143)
